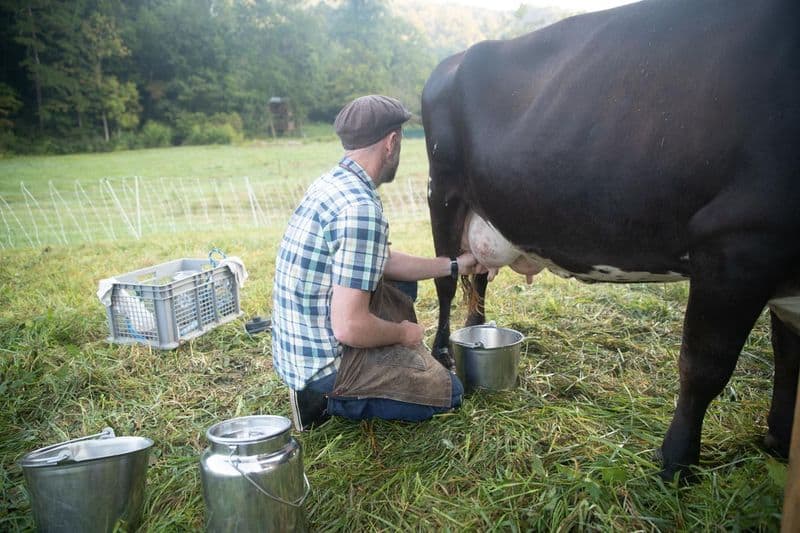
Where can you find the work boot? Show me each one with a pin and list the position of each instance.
(309, 408)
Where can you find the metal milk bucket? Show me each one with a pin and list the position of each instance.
(253, 478)
(486, 356)
(93, 483)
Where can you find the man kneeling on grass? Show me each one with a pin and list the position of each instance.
(345, 342)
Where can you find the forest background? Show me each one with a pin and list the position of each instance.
(102, 75)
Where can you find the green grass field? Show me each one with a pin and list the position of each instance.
(569, 449)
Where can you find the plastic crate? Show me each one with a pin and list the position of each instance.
(170, 303)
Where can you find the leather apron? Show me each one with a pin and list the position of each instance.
(393, 372)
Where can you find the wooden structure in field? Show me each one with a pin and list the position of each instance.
(281, 119)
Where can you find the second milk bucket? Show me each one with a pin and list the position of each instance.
(253, 478)
(88, 484)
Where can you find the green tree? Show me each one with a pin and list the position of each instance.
(9, 104)
(68, 48)
(182, 57)
(374, 51)
(106, 65)
(42, 28)
(114, 102)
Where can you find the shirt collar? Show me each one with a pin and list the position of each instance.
(351, 166)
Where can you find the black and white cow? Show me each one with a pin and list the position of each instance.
(653, 142)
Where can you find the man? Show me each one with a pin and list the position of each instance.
(343, 341)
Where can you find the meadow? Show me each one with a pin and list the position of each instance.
(571, 448)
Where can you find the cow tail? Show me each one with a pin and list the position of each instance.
(470, 294)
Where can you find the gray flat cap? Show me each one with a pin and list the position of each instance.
(368, 119)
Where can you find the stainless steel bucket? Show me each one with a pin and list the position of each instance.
(487, 357)
(93, 483)
(253, 478)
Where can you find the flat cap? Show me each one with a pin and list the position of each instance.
(368, 119)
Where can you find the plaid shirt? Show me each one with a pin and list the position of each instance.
(337, 236)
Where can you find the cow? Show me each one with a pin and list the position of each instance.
(656, 141)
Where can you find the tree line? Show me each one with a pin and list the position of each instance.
(80, 75)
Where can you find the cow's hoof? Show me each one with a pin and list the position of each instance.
(776, 446)
(445, 359)
(670, 475)
(667, 474)
(658, 456)
(673, 473)
(679, 475)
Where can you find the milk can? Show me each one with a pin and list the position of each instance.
(253, 478)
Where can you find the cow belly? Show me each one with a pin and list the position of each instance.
(494, 251)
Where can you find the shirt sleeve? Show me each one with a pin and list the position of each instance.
(358, 240)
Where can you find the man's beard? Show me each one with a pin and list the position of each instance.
(389, 169)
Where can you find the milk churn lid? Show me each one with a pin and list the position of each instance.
(248, 429)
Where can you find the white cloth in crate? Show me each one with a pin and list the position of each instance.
(104, 290)
(236, 266)
(141, 319)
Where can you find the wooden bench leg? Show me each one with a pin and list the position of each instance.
(790, 522)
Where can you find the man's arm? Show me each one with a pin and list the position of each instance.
(355, 326)
(405, 267)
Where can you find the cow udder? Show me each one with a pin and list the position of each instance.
(494, 251)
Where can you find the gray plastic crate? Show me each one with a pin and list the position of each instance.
(170, 303)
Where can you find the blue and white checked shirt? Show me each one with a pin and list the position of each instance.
(337, 236)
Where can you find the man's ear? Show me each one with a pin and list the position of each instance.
(393, 138)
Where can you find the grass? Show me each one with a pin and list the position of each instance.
(266, 159)
(569, 449)
(262, 161)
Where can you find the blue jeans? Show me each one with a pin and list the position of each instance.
(366, 408)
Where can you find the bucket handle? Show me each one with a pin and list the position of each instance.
(49, 461)
(259, 488)
(107, 433)
(478, 345)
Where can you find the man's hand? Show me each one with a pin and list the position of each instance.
(468, 264)
(412, 333)
(354, 325)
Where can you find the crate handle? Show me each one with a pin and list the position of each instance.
(211, 259)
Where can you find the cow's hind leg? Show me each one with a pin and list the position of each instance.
(730, 286)
(786, 347)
